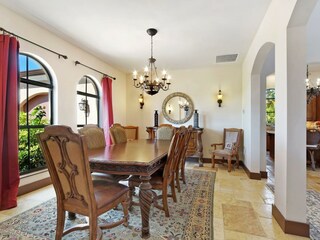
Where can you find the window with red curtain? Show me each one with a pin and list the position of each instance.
(9, 167)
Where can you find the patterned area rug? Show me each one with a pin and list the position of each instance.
(313, 214)
(190, 218)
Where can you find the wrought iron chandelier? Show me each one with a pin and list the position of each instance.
(149, 80)
(312, 91)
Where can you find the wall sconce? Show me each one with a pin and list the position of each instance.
(84, 106)
(219, 96)
(141, 101)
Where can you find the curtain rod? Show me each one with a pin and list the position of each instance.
(38, 45)
(77, 62)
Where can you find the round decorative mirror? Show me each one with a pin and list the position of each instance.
(177, 108)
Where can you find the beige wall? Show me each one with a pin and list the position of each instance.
(202, 86)
(66, 75)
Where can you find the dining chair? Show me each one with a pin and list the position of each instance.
(95, 138)
(132, 132)
(163, 178)
(165, 132)
(230, 146)
(117, 133)
(66, 156)
(180, 166)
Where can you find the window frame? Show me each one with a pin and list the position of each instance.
(86, 95)
(25, 80)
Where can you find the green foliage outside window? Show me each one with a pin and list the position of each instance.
(270, 106)
(28, 139)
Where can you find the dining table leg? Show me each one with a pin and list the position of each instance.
(145, 199)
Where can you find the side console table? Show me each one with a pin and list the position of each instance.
(195, 147)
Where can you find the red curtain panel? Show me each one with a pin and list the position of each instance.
(9, 166)
(107, 113)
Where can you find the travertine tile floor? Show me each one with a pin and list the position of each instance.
(242, 207)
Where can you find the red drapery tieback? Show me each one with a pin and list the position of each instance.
(9, 166)
(107, 110)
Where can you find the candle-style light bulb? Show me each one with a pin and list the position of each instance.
(307, 83)
(168, 79)
(146, 69)
(135, 73)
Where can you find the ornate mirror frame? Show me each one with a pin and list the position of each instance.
(165, 107)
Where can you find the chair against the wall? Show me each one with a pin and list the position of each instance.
(95, 138)
(163, 178)
(165, 132)
(230, 146)
(117, 133)
(132, 132)
(313, 144)
(66, 156)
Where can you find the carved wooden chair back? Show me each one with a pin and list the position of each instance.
(161, 179)
(94, 135)
(180, 166)
(174, 154)
(132, 132)
(117, 133)
(165, 132)
(65, 153)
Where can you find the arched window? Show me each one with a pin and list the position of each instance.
(35, 111)
(88, 102)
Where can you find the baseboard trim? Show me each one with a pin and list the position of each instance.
(290, 227)
(264, 174)
(252, 175)
(34, 186)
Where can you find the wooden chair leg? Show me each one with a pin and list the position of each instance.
(61, 217)
(93, 225)
(125, 205)
(182, 171)
(237, 157)
(177, 180)
(173, 191)
(213, 160)
(229, 164)
(165, 201)
(131, 190)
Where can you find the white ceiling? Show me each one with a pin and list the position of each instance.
(191, 33)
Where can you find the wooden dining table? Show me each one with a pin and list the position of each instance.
(138, 157)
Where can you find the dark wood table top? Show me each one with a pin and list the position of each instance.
(137, 157)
